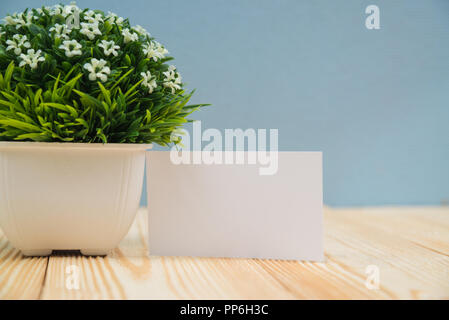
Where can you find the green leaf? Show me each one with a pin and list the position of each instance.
(121, 78)
(106, 93)
(127, 60)
(62, 107)
(133, 90)
(8, 75)
(44, 136)
(20, 125)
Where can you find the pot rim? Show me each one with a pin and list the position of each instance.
(73, 145)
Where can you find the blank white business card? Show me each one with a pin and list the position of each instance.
(232, 210)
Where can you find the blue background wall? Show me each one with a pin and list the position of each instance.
(374, 101)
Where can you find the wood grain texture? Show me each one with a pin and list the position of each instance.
(20, 277)
(410, 246)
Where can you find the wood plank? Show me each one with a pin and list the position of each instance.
(398, 243)
(130, 273)
(20, 277)
(410, 247)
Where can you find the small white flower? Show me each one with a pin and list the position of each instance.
(18, 41)
(141, 30)
(154, 50)
(129, 36)
(1, 34)
(174, 85)
(97, 69)
(24, 20)
(170, 74)
(172, 79)
(109, 47)
(148, 81)
(11, 20)
(56, 9)
(93, 17)
(40, 11)
(64, 11)
(61, 31)
(113, 18)
(72, 48)
(70, 9)
(32, 58)
(90, 30)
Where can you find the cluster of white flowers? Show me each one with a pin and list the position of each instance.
(32, 58)
(71, 47)
(97, 69)
(172, 79)
(90, 28)
(109, 47)
(148, 81)
(19, 19)
(24, 20)
(18, 41)
(154, 50)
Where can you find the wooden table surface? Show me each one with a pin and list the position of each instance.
(408, 246)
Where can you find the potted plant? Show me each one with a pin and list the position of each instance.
(82, 95)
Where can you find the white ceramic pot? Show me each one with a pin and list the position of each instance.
(69, 196)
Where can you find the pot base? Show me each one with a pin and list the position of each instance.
(36, 252)
(47, 252)
(95, 252)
